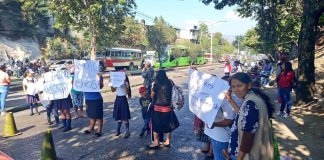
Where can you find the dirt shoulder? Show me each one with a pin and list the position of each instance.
(301, 136)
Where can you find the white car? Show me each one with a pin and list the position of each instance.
(61, 64)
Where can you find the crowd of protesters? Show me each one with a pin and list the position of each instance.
(241, 129)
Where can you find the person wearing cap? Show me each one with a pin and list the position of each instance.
(144, 102)
(30, 89)
(148, 75)
(4, 87)
(77, 98)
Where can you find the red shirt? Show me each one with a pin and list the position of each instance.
(286, 80)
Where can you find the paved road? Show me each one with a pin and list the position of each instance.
(75, 145)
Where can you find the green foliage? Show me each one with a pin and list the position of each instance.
(194, 50)
(160, 35)
(134, 35)
(24, 18)
(278, 21)
(102, 20)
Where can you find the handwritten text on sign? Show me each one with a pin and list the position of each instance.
(85, 78)
(206, 94)
(57, 85)
(117, 78)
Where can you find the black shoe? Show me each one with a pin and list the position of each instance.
(117, 134)
(67, 129)
(141, 134)
(86, 132)
(98, 134)
(31, 114)
(127, 135)
(153, 147)
(50, 123)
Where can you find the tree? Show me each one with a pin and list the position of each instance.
(134, 35)
(203, 37)
(306, 50)
(252, 40)
(160, 35)
(102, 20)
(267, 13)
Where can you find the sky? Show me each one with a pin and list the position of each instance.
(185, 14)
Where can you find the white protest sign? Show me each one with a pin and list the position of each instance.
(85, 76)
(117, 79)
(57, 85)
(206, 94)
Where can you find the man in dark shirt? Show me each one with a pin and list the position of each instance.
(144, 102)
(148, 75)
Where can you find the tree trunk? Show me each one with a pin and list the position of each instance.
(93, 47)
(306, 47)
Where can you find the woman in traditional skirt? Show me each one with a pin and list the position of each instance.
(164, 119)
(30, 89)
(94, 104)
(77, 98)
(121, 108)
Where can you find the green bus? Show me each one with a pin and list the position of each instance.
(178, 56)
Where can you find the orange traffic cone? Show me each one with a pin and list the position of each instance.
(3, 156)
(10, 128)
(48, 148)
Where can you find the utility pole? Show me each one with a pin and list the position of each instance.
(238, 46)
(211, 47)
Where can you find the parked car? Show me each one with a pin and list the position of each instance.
(61, 64)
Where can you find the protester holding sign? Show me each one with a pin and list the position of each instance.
(164, 119)
(77, 98)
(94, 104)
(251, 132)
(199, 126)
(121, 108)
(31, 91)
(220, 129)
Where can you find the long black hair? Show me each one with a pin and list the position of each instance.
(288, 67)
(161, 77)
(245, 78)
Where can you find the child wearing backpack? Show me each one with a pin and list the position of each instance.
(285, 81)
(144, 102)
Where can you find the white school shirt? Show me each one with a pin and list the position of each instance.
(226, 111)
(121, 91)
(31, 86)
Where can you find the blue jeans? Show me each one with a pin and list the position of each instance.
(218, 148)
(285, 97)
(3, 96)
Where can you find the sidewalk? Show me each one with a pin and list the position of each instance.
(300, 136)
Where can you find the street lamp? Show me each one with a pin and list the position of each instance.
(211, 41)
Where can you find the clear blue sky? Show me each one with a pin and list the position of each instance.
(186, 13)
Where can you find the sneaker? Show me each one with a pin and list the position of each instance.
(3, 113)
(286, 115)
(280, 113)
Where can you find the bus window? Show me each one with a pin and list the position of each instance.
(118, 54)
